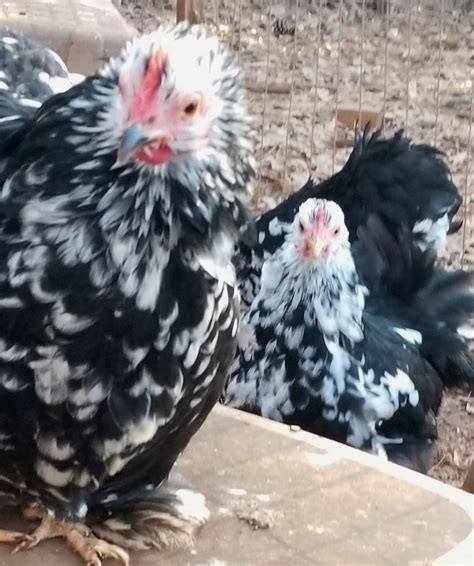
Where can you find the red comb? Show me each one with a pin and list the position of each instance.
(150, 84)
(319, 218)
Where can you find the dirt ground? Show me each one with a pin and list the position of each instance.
(416, 71)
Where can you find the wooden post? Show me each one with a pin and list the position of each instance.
(383, 6)
(190, 10)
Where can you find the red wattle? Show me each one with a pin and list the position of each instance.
(155, 156)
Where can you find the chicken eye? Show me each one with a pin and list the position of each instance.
(336, 231)
(301, 226)
(191, 108)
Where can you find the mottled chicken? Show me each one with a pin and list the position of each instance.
(395, 179)
(318, 350)
(121, 202)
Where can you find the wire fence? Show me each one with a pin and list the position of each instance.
(315, 67)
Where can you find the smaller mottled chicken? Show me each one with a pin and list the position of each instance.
(395, 179)
(317, 350)
(30, 70)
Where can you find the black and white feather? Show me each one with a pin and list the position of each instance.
(117, 292)
(30, 70)
(395, 179)
(317, 349)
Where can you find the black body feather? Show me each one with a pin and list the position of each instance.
(405, 282)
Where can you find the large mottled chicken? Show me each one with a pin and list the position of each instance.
(318, 350)
(122, 199)
(30, 70)
(394, 178)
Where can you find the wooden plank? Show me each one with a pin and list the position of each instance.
(83, 33)
(349, 116)
(190, 10)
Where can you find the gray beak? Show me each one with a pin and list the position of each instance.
(132, 139)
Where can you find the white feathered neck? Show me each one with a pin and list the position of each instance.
(329, 290)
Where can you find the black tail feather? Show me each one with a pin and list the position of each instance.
(13, 116)
(436, 302)
(416, 454)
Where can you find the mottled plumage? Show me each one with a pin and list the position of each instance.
(318, 350)
(121, 203)
(395, 179)
(31, 71)
(29, 74)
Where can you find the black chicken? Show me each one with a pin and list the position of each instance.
(395, 179)
(121, 201)
(318, 350)
(31, 71)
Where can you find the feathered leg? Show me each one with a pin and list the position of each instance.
(163, 518)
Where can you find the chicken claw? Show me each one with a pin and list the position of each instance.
(11, 537)
(91, 549)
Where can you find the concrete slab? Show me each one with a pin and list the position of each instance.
(279, 496)
(85, 33)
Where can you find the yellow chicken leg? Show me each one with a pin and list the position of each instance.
(91, 549)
